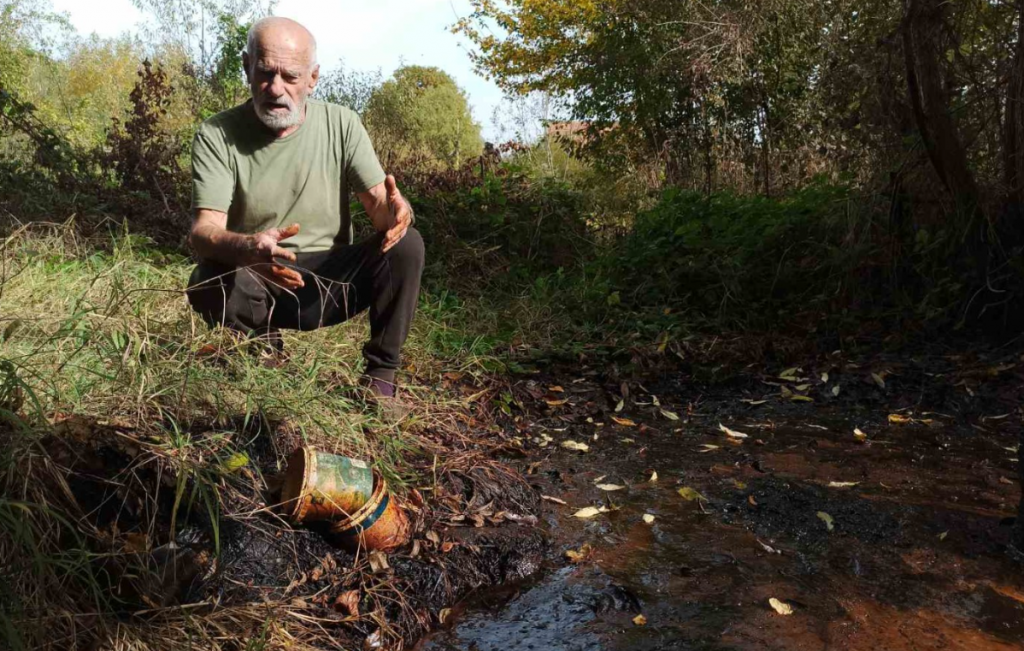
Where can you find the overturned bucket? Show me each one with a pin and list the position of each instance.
(380, 525)
(324, 487)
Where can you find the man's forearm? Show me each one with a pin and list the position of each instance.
(212, 242)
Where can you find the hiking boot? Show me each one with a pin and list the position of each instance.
(384, 395)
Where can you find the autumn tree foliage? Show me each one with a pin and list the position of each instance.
(764, 95)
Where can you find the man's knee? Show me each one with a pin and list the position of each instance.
(409, 254)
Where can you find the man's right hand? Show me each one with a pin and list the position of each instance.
(267, 256)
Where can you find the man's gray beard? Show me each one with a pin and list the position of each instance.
(281, 122)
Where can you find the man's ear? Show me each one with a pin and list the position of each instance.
(245, 66)
(314, 76)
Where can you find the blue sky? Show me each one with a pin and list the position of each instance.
(368, 35)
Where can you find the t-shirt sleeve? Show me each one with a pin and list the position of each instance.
(362, 169)
(213, 181)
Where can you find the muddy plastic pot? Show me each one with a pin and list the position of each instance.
(324, 487)
(380, 525)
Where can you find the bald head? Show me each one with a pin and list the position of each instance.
(281, 34)
(280, 63)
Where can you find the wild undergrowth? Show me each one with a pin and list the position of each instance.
(97, 341)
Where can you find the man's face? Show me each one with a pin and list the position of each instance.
(281, 77)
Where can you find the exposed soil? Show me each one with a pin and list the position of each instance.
(477, 528)
(918, 555)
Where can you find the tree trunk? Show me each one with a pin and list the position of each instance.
(1013, 123)
(929, 97)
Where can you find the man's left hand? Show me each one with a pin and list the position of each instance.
(400, 214)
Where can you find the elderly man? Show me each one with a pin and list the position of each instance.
(271, 182)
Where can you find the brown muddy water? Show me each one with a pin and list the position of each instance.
(916, 558)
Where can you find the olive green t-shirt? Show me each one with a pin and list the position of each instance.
(241, 168)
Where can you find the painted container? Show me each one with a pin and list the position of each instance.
(380, 525)
(324, 487)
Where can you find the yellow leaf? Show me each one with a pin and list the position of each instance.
(579, 556)
(556, 403)
(690, 495)
(556, 389)
(625, 422)
(842, 484)
(827, 519)
(235, 462)
(802, 387)
(859, 435)
(590, 512)
(654, 476)
(835, 390)
(900, 419)
(671, 415)
(610, 487)
(732, 433)
(780, 607)
(789, 374)
(640, 620)
(619, 406)
(796, 398)
(574, 445)
(648, 518)
(879, 380)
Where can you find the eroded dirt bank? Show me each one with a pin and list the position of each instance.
(891, 538)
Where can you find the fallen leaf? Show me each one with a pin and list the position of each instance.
(374, 641)
(878, 380)
(640, 620)
(574, 445)
(610, 487)
(590, 512)
(690, 495)
(235, 462)
(1008, 482)
(789, 374)
(751, 501)
(900, 419)
(942, 536)
(556, 403)
(768, 548)
(620, 406)
(575, 556)
(433, 537)
(447, 546)
(859, 435)
(556, 389)
(625, 422)
(780, 607)
(835, 390)
(797, 398)
(842, 484)
(599, 479)
(445, 615)
(378, 561)
(802, 387)
(548, 498)
(824, 378)
(827, 519)
(753, 402)
(708, 447)
(733, 433)
(347, 603)
(671, 415)
(738, 484)
(648, 518)
(654, 476)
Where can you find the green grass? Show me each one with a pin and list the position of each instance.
(101, 332)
